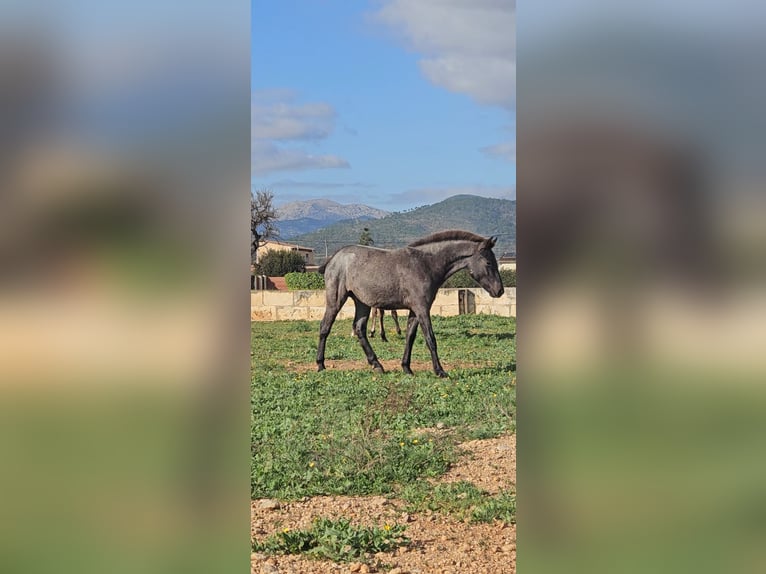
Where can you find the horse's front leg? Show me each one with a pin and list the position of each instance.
(412, 330)
(424, 318)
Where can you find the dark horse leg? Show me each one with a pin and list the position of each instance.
(331, 311)
(396, 322)
(381, 314)
(424, 318)
(373, 316)
(361, 316)
(412, 330)
(376, 312)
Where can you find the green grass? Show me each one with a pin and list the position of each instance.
(462, 500)
(336, 540)
(358, 432)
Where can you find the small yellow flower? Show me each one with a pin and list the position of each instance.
(414, 441)
(401, 444)
(311, 464)
(387, 527)
(444, 396)
(286, 530)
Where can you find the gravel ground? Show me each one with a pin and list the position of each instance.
(440, 544)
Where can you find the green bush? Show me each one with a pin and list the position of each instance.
(280, 263)
(462, 280)
(304, 281)
(508, 277)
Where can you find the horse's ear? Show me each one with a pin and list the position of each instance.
(490, 243)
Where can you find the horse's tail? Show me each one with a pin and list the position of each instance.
(323, 266)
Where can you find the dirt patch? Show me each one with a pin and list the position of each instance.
(440, 544)
(489, 464)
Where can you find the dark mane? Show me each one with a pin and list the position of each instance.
(449, 235)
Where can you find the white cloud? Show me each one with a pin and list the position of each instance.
(468, 46)
(277, 120)
(266, 157)
(287, 121)
(504, 150)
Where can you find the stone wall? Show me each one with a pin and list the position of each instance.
(286, 305)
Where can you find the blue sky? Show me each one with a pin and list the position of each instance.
(393, 103)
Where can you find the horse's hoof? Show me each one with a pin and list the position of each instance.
(407, 370)
(442, 374)
(378, 368)
(384, 339)
(320, 368)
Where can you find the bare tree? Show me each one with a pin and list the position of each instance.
(263, 217)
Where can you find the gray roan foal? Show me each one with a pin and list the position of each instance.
(406, 278)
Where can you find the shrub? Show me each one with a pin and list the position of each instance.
(304, 281)
(508, 277)
(462, 280)
(279, 263)
(336, 540)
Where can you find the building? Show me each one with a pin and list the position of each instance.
(306, 252)
(507, 262)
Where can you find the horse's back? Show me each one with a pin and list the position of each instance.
(370, 273)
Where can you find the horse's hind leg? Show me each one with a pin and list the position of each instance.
(361, 316)
(332, 308)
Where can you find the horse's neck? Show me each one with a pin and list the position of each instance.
(450, 257)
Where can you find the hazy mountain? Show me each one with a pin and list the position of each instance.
(299, 217)
(482, 215)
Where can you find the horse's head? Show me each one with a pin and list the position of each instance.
(482, 267)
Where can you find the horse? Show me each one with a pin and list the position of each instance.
(406, 278)
(381, 312)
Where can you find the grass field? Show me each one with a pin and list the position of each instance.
(352, 431)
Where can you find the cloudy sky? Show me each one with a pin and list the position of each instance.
(392, 103)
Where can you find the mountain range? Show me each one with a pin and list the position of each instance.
(482, 215)
(299, 217)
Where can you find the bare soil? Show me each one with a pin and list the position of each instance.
(440, 544)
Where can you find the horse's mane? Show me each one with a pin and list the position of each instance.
(449, 235)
